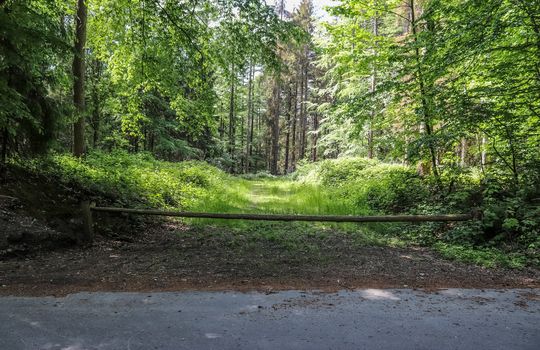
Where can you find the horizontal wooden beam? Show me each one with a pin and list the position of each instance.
(280, 217)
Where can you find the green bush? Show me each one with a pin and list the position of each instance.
(333, 172)
(135, 178)
(366, 183)
(392, 188)
(511, 214)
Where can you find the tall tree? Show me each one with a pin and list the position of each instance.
(78, 79)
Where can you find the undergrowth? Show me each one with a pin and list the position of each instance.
(349, 186)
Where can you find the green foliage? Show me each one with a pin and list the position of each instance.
(32, 45)
(511, 213)
(389, 188)
(489, 257)
(510, 219)
(135, 179)
(368, 184)
(333, 172)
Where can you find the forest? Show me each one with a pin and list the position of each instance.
(374, 107)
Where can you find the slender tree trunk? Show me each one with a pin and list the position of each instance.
(293, 131)
(288, 129)
(372, 90)
(463, 152)
(483, 155)
(259, 144)
(315, 137)
(243, 128)
(274, 119)
(78, 79)
(423, 96)
(221, 125)
(231, 119)
(251, 131)
(303, 122)
(249, 136)
(301, 112)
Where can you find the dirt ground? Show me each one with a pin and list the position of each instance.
(37, 255)
(176, 257)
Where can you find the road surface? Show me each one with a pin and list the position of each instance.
(363, 319)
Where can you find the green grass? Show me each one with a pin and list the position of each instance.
(276, 196)
(488, 257)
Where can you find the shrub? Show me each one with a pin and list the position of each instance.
(135, 178)
(388, 188)
(333, 172)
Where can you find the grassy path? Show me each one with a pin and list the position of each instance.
(279, 196)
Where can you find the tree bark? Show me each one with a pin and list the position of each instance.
(249, 136)
(78, 79)
(372, 90)
(303, 122)
(315, 137)
(232, 129)
(274, 119)
(483, 155)
(423, 96)
(463, 152)
(288, 129)
(293, 131)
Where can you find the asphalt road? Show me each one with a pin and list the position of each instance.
(364, 319)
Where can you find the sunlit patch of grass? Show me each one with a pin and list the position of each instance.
(274, 196)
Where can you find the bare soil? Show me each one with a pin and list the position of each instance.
(176, 257)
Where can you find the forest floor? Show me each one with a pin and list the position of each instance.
(237, 255)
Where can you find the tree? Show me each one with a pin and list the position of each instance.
(78, 79)
(33, 56)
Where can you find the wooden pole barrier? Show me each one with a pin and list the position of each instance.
(280, 217)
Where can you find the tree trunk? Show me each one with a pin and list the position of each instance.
(293, 131)
(274, 119)
(249, 136)
(78, 79)
(372, 90)
(221, 126)
(423, 96)
(463, 153)
(288, 129)
(231, 120)
(252, 127)
(303, 123)
(315, 137)
(483, 155)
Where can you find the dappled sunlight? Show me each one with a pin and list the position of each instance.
(378, 294)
